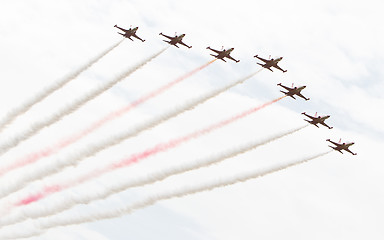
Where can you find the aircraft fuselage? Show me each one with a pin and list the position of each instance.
(319, 119)
(225, 53)
(295, 90)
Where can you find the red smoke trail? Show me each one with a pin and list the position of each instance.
(137, 157)
(31, 158)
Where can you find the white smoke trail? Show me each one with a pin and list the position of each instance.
(152, 199)
(63, 220)
(37, 126)
(14, 113)
(90, 150)
(149, 179)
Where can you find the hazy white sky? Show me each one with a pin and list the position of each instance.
(333, 47)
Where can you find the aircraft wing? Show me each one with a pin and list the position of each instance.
(301, 95)
(229, 56)
(182, 43)
(350, 151)
(349, 144)
(134, 35)
(216, 51)
(122, 29)
(262, 59)
(324, 124)
(277, 66)
(334, 143)
(286, 88)
(309, 116)
(168, 36)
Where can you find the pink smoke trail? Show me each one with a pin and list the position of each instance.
(60, 220)
(34, 157)
(140, 156)
(74, 105)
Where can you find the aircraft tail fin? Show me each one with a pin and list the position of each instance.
(261, 64)
(288, 94)
(310, 122)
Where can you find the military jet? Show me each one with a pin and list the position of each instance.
(293, 91)
(223, 54)
(270, 63)
(317, 120)
(341, 146)
(131, 32)
(175, 40)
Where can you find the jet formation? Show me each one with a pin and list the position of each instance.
(267, 63)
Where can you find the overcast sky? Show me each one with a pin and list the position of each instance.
(333, 47)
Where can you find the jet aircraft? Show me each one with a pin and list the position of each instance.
(293, 91)
(131, 32)
(317, 120)
(175, 40)
(223, 54)
(270, 63)
(341, 146)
